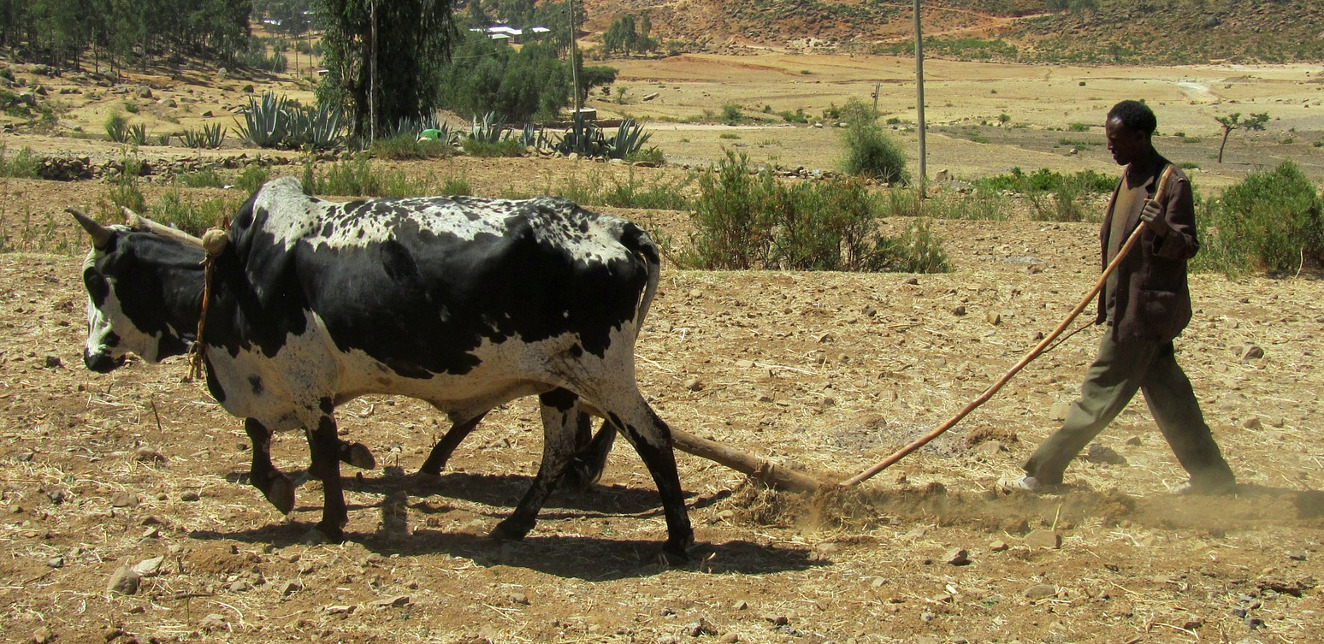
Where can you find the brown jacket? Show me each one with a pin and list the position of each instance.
(1153, 300)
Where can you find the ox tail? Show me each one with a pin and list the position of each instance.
(637, 241)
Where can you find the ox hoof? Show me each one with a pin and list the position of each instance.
(505, 532)
(332, 534)
(672, 557)
(361, 457)
(281, 495)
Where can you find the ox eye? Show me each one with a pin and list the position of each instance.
(96, 284)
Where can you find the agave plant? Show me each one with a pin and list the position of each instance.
(628, 141)
(534, 137)
(488, 130)
(318, 127)
(584, 138)
(266, 121)
(136, 134)
(209, 136)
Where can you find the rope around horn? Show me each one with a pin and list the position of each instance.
(214, 242)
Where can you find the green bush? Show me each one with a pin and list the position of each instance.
(252, 177)
(23, 165)
(503, 148)
(207, 178)
(1269, 222)
(407, 146)
(192, 218)
(1053, 195)
(870, 152)
(746, 220)
(356, 178)
(117, 127)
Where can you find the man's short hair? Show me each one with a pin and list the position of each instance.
(1135, 116)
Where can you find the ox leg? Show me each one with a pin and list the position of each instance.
(264, 476)
(651, 438)
(441, 452)
(560, 420)
(588, 462)
(325, 449)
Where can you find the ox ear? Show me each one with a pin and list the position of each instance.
(100, 234)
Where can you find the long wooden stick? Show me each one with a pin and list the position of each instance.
(988, 393)
(1164, 177)
(781, 478)
(1159, 193)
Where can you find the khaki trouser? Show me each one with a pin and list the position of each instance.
(1120, 369)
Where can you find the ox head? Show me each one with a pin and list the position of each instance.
(140, 279)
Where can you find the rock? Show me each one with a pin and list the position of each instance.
(190, 496)
(1040, 591)
(519, 598)
(392, 602)
(149, 567)
(144, 92)
(694, 384)
(699, 628)
(1058, 410)
(148, 455)
(290, 587)
(1251, 423)
(1044, 539)
(959, 310)
(213, 622)
(1251, 352)
(991, 448)
(957, 557)
(123, 581)
(1134, 441)
(124, 500)
(42, 635)
(240, 586)
(55, 562)
(998, 545)
(994, 318)
(1100, 454)
(53, 361)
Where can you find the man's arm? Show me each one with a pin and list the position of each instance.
(1173, 221)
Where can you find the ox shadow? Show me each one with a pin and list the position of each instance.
(591, 558)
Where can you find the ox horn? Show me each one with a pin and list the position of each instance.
(100, 234)
(138, 222)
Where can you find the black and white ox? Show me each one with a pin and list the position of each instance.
(463, 302)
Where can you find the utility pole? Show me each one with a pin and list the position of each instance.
(372, 79)
(574, 68)
(919, 86)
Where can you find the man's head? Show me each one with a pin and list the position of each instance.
(1130, 126)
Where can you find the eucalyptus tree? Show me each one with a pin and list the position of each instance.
(383, 58)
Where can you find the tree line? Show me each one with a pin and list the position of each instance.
(118, 33)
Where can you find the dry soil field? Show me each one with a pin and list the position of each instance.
(828, 373)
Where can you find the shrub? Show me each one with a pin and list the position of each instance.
(731, 114)
(748, 220)
(192, 218)
(407, 146)
(870, 152)
(207, 178)
(1271, 222)
(23, 165)
(503, 148)
(252, 177)
(117, 127)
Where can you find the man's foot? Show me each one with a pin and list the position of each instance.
(1206, 487)
(1025, 483)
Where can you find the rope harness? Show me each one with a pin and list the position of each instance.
(214, 242)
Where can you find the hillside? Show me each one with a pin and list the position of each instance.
(1115, 31)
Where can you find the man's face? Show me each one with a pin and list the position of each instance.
(1126, 145)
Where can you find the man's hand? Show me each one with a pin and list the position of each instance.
(1152, 215)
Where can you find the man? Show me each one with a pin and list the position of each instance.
(1146, 304)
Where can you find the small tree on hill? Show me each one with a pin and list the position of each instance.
(1233, 121)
